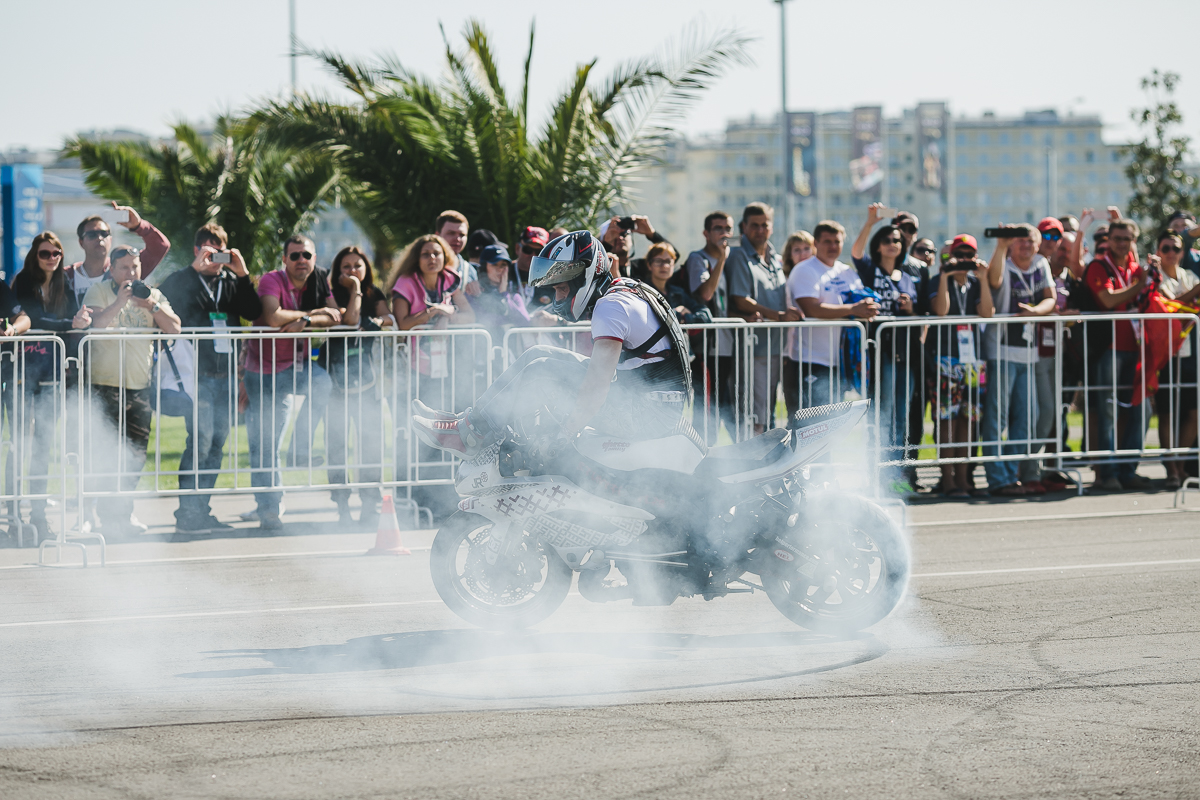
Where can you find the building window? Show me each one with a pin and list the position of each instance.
(1068, 178)
(984, 179)
(1005, 158)
(908, 178)
(740, 180)
(1006, 179)
(1089, 156)
(1114, 176)
(760, 161)
(1071, 198)
(960, 139)
(1048, 139)
(1027, 158)
(1070, 137)
(961, 159)
(1026, 138)
(984, 139)
(1003, 138)
(908, 198)
(1093, 177)
(983, 158)
(837, 199)
(1115, 156)
(1027, 178)
(964, 179)
(1091, 137)
(1070, 159)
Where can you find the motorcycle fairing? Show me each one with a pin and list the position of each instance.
(552, 507)
(808, 439)
(676, 453)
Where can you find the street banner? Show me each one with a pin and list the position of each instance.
(866, 166)
(802, 153)
(932, 123)
(21, 214)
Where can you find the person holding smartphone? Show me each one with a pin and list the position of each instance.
(214, 293)
(962, 291)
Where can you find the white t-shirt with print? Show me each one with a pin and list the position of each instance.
(812, 278)
(623, 315)
(83, 282)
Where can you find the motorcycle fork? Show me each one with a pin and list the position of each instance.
(499, 542)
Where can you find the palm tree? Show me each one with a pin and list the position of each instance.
(409, 147)
(259, 192)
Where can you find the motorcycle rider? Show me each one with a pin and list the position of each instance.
(635, 384)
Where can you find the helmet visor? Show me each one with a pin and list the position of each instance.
(547, 271)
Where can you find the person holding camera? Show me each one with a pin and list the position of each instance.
(214, 293)
(962, 291)
(1023, 288)
(96, 239)
(119, 373)
(617, 237)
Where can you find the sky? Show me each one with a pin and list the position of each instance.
(73, 66)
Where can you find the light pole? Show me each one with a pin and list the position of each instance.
(786, 132)
(292, 41)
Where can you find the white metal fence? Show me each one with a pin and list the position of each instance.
(254, 405)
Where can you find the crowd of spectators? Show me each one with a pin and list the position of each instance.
(987, 386)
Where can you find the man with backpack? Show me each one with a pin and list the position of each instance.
(207, 295)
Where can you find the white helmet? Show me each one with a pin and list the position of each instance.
(578, 260)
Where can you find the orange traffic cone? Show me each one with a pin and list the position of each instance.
(387, 539)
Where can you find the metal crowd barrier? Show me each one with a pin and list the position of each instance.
(351, 385)
(994, 403)
(747, 377)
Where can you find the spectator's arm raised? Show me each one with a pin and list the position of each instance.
(860, 244)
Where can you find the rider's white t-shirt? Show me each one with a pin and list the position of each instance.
(629, 319)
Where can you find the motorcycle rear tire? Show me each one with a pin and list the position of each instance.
(870, 519)
(443, 567)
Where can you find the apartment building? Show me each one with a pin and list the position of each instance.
(986, 170)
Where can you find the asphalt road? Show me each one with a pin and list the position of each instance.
(1036, 656)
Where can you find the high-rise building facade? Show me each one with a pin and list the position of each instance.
(958, 175)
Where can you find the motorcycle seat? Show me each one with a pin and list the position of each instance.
(761, 451)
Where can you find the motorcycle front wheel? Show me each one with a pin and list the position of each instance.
(845, 566)
(518, 590)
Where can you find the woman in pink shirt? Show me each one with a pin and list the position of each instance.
(427, 290)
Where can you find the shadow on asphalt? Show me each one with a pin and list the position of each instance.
(431, 648)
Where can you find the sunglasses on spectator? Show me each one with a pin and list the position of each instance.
(923, 251)
(97, 234)
(299, 254)
(1051, 236)
(1120, 238)
(908, 227)
(662, 262)
(121, 252)
(1169, 248)
(46, 255)
(530, 249)
(963, 255)
(892, 240)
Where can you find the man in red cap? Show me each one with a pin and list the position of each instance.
(1052, 233)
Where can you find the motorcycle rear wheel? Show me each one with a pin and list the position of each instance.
(515, 592)
(859, 560)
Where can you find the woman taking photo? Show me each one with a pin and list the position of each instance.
(353, 367)
(42, 293)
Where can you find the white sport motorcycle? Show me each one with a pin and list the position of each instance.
(660, 519)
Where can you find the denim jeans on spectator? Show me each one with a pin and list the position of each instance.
(267, 415)
(1006, 406)
(206, 437)
(365, 410)
(894, 396)
(1045, 404)
(817, 385)
(713, 390)
(1123, 424)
